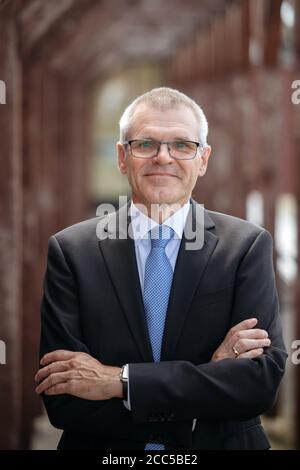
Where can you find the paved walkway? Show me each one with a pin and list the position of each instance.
(45, 436)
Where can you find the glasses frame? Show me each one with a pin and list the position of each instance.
(129, 142)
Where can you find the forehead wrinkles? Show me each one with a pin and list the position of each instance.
(147, 119)
(162, 128)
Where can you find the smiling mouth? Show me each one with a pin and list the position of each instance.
(161, 174)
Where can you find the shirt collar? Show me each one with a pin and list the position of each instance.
(142, 224)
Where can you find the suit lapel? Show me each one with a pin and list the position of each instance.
(189, 268)
(119, 256)
(120, 259)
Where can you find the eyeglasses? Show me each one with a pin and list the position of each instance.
(178, 149)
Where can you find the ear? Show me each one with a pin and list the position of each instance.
(121, 158)
(204, 160)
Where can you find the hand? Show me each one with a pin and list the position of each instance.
(246, 340)
(78, 374)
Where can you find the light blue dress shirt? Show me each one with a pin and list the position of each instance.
(141, 225)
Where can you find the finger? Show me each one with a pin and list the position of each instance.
(251, 354)
(70, 387)
(59, 366)
(254, 333)
(58, 389)
(58, 355)
(54, 379)
(243, 345)
(244, 325)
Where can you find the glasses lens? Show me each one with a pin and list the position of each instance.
(183, 149)
(144, 148)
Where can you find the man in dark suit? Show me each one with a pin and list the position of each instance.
(147, 341)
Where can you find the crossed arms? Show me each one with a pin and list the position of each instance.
(81, 393)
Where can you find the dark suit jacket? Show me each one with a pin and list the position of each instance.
(92, 302)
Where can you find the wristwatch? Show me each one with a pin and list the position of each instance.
(124, 380)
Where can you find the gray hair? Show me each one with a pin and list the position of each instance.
(163, 98)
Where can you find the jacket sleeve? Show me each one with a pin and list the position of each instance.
(60, 329)
(231, 389)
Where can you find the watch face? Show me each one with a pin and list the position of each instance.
(124, 378)
(125, 374)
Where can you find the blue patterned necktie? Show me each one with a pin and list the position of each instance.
(157, 286)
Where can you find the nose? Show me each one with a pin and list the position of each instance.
(163, 155)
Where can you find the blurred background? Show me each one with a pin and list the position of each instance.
(68, 69)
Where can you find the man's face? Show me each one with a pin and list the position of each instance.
(162, 179)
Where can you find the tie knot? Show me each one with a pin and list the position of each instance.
(160, 236)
